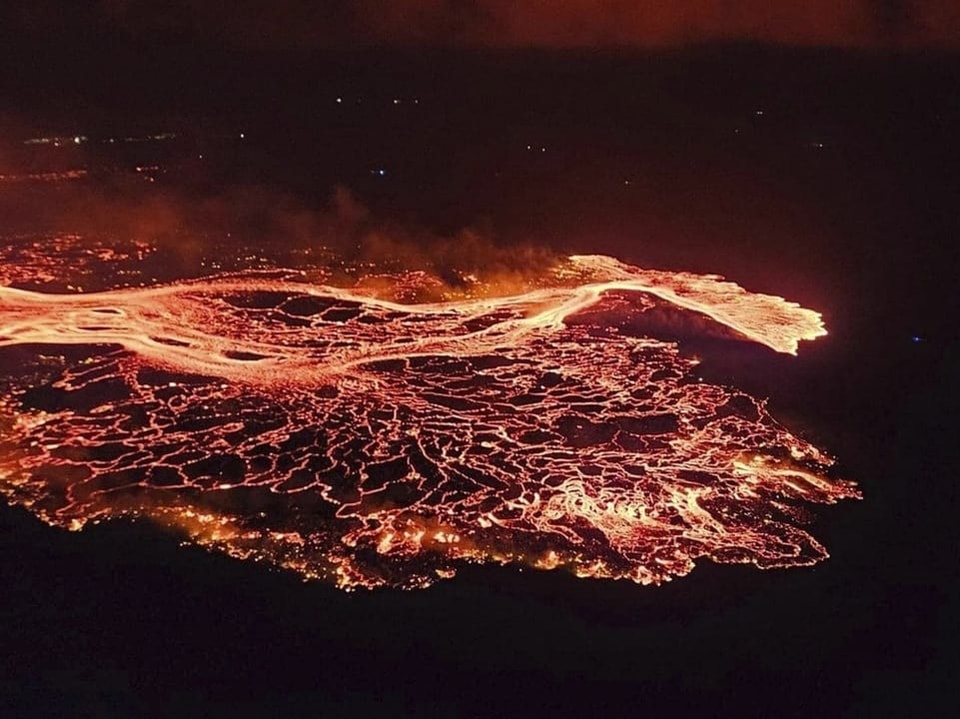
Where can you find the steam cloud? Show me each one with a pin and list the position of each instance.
(188, 225)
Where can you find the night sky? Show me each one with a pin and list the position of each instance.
(804, 149)
(501, 24)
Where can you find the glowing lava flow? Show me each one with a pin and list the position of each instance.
(352, 437)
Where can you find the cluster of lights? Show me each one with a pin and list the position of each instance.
(58, 141)
(395, 101)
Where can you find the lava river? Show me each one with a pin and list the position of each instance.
(351, 436)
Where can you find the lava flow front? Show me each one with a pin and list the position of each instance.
(351, 436)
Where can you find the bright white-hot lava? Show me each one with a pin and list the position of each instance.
(347, 435)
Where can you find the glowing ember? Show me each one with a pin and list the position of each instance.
(349, 436)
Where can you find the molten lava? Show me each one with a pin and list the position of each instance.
(350, 436)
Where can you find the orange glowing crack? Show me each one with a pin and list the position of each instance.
(369, 442)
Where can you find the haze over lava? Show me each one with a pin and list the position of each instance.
(352, 431)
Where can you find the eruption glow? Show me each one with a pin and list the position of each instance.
(350, 436)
